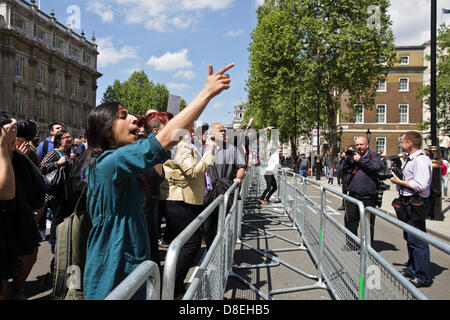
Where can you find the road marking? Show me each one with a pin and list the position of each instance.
(333, 212)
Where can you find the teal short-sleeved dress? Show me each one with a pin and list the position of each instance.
(119, 240)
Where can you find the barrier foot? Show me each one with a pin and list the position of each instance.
(253, 266)
(317, 285)
(252, 287)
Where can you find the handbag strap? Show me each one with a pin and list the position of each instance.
(79, 199)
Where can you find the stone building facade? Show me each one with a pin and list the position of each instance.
(47, 72)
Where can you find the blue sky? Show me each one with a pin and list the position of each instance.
(173, 41)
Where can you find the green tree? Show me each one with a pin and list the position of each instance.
(139, 94)
(284, 66)
(442, 83)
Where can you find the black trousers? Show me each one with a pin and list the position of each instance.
(153, 227)
(179, 215)
(271, 183)
(351, 219)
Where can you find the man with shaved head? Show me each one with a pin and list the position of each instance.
(229, 167)
(360, 171)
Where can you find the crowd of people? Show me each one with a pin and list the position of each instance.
(137, 170)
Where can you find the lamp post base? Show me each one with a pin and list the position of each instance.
(436, 187)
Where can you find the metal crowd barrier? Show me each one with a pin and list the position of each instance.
(358, 272)
(148, 272)
(211, 277)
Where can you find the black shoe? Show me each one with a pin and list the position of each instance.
(341, 208)
(419, 284)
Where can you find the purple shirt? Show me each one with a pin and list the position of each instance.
(417, 172)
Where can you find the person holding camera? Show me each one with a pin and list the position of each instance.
(414, 191)
(360, 168)
(18, 231)
(7, 192)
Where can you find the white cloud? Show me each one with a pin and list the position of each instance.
(177, 86)
(171, 61)
(411, 20)
(104, 11)
(259, 2)
(110, 55)
(234, 33)
(218, 105)
(185, 74)
(166, 15)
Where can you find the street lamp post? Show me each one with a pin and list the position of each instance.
(339, 138)
(436, 184)
(318, 169)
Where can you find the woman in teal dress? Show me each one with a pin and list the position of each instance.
(119, 241)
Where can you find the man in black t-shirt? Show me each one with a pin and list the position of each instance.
(229, 167)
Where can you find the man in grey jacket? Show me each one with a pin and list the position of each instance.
(303, 165)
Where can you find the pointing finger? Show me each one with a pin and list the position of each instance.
(224, 69)
(210, 71)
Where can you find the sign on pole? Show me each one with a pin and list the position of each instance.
(315, 138)
(173, 105)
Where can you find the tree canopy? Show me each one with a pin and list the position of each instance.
(442, 83)
(352, 36)
(138, 94)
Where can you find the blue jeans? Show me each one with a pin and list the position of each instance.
(303, 172)
(445, 182)
(418, 264)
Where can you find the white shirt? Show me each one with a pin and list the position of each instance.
(417, 172)
(273, 165)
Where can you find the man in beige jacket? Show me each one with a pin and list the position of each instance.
(182, 197)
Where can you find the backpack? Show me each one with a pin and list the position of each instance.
(71, 241)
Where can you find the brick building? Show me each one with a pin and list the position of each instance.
(396, 109)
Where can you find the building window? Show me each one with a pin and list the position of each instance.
(400, 149)
(359, 116)
(381, 86)
(57, 111)
(74, 88)
(19, 102)
(40, 75)
(41, 35)
(58, 80)
(403, 84)
(59, 44)
(73, 51)
(86, 94)
(19, 67)
(404, 59)
(381, 145)
(40, 106)
(86, 58)
(74, 115)
(403, 113)
(381, 113)
(19, 23)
